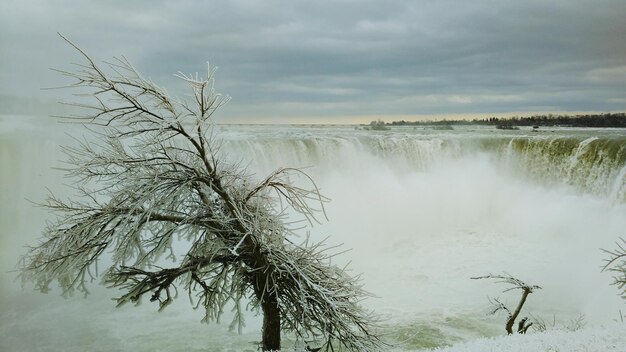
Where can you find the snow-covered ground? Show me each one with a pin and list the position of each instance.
(606, 338)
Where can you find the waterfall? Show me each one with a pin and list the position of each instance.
(591, 164)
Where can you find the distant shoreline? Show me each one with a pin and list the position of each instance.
(582, 120)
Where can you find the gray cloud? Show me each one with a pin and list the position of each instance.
(288, 60)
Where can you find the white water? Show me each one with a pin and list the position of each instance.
(422, 210)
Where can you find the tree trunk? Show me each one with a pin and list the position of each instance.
(511, 321)
(271, 323)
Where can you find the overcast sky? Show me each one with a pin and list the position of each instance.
(343, 61)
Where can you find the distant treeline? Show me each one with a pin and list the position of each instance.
(588, 120)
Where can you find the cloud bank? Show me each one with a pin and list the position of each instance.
(346, 60)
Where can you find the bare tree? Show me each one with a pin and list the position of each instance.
(154, 178)
(616, 264)
(515, 284)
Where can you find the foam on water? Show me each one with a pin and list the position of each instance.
(422, 210)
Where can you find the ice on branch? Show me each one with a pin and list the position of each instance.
(152, 176)
(514, 284)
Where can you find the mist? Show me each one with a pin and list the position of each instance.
(419, 211)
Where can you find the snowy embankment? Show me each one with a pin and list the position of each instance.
(597, 339)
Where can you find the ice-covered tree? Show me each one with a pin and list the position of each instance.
(616, 264)
(514, 284)
(151, 180)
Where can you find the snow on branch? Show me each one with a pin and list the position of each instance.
(515, 284)
(149, 176)
(616, 264)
